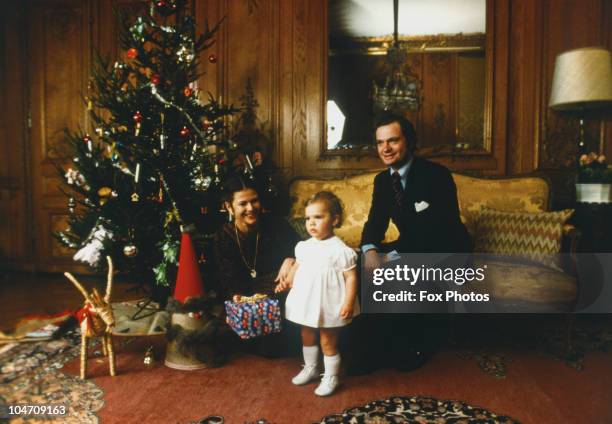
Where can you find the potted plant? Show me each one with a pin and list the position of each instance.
(594, 179)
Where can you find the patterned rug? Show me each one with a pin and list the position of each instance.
(417, 410)
(404, 410)
(30, 373)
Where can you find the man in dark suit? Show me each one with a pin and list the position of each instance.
(420, 198)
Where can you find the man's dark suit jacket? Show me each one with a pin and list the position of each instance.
(437, 229)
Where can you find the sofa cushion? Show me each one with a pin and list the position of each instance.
(521, 194)
(533, 236)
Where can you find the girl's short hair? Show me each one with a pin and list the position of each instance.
(333, 203)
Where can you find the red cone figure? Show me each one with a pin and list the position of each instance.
(188, 280)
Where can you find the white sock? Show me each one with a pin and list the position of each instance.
(311, 355)
(332, 364)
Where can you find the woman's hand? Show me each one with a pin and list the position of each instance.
(281, 287)
(284, 272)
(346, 311)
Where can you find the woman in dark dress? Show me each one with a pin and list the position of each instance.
(253, 253)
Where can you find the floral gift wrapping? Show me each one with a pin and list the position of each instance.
(253, 316)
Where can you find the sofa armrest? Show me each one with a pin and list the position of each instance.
(571, 236)
(569, 247)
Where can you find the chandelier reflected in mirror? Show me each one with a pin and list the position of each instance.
(399, 88)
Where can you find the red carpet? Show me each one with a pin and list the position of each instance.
(537, 389)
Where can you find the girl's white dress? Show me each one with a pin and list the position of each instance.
(319, 288)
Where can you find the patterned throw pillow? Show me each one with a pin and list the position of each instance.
(533, 236)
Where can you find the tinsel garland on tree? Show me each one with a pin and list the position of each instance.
(155, 156)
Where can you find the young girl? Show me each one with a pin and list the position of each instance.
(323, 296)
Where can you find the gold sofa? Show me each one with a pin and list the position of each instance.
(548, 289)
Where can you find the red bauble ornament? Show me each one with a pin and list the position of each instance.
(187, 91)
(155, 79)
(87, 138)
(184, 132)
(132, 53)
(137, 117)
(160, 4)
(212, 58)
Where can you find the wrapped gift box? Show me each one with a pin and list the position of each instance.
(253, 316)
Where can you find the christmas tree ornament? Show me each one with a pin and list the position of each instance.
(162, 141)
(149, 357)
(71, 205)
(155, 79)
(104, 193)
(99, 132)
(137, 29)
(135, 197)
(184, 132)
(217, 179)
(160, 195)
(91, 250)
(187, 91)
(167, 29)
(137, 173)
(185, 54)
(130, 250)
(87, 140)
(212, 58)
(119, 65)
(202, 183)
(89, 103)
(137, 117)
(132, 53)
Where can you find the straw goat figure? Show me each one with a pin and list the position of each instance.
(96, 319)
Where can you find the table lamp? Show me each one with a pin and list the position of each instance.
(582, 81)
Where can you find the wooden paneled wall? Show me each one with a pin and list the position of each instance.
(279, 45)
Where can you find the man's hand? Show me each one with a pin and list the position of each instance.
(346, 311)
(372, 260)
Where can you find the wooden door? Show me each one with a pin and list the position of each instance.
(59, 50)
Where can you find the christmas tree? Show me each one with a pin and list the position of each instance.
(155, 156)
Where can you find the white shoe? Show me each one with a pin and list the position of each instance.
(308, 373)
(328, 385)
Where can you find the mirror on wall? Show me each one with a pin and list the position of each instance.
(425, 59)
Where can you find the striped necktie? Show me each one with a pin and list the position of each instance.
(397, 187)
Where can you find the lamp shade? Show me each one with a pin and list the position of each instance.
(582, 79)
